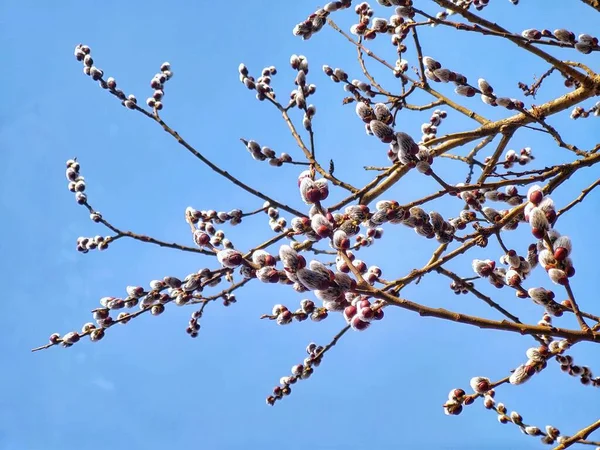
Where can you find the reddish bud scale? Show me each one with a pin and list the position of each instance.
(313, 195)
(536, 197)
(359, 324)
(551, 216)
(483, 386)
(366, 313)
(560, 253)
(350, 312)
(538, 232)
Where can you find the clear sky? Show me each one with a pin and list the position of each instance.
(147, 384)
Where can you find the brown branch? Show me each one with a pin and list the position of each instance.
(582, 434)
(580, 198)
(308, 153)
(478, 294)
(218, 170)
(506, 137)
(504, 325)
(584, 326)
(593, 3)
(143, 238)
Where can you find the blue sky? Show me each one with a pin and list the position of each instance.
(147, 384)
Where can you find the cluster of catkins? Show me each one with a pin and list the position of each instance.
(512, 157)
(429, 129)
(299, 95)
(583, 372)
(585, 43)
(360, 89)
(85, 244)
(461, 287)
(435, 72)
(158, 83)
(76, 181)
(206, 235)
(262, 86)
(552, 252)
(261, 154)
(234, 217)
(77, 185)
(315, 22)
(553, 249)
(83, 54)
(580, 112)
(204, 232)
(378, 122)
(537, 358)
(161, 292)
(475, 198)
(368, 26)
(299, 372)
(308, 309)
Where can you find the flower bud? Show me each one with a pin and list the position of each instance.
(480, 384)
(562, 248)
(521, 374)
(358, 324)
(313, 280)
(483, 268)
(431, 63)
(535, 194)
(382, 131)
(230, 258)
(558, 276)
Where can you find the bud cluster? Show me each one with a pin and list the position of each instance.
(76, 181)
(308, 309)
(261, 154)
(580, 112)
(368, 26)
(84, 54)
(545, 298)
(85, 244)
(360, 312)
(312, 191)
(315, 22)
(194, 216)
(262, 86)
(461, 287)
(429, 129)
(298, 372)
(584, 373)
(483, 388)
(161, 292)
(518, 270)
(435, 72)
(476, 197)
(536, 362)
(158, 84)
(585, 43)
(553, 249)
(304, 90)
(550, 436)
